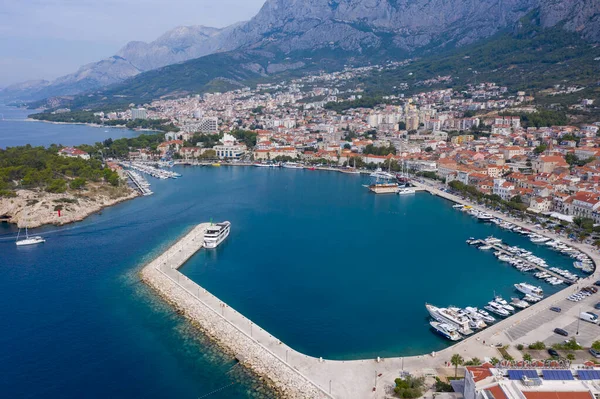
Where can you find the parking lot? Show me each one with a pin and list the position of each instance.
(540, 327)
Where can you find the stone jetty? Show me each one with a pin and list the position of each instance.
(213, 317)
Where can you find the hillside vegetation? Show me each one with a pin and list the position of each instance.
(42, 168)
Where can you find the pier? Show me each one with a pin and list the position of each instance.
(251, 345)
(501, 248)
(143, 189)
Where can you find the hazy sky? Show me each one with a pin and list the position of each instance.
(44, 39)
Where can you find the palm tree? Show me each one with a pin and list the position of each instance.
(456, 360)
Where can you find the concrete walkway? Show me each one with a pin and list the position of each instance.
(340, 379)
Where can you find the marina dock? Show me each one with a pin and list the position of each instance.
(502, 248)
(139, 183)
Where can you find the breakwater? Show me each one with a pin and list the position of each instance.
(208, 312)
(342, 379)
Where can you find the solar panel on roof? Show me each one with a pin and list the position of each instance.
(558, 375)
(519, 374)
(589, 374)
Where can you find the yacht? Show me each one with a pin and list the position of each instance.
(538, 239)
(215, 234)
(519, 303)
(406, 191)
(444, 315)
(500, 301)
(493, 240)
(485, 217)
(496, 308)
(379, 174)
(529, 289)
(531, 299)
(485, 247)
(484, 315)
(446, 330)
(476, 323)
(292, 165)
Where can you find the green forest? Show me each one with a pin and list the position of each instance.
(30, 167)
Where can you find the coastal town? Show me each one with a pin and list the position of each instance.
(490, 150)
(485, 136)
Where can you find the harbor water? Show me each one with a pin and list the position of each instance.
(313, 257)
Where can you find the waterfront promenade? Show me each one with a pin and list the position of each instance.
(298, 375)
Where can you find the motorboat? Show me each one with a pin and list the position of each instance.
(497, 309)
(493, 240)
(450, 316)
(519, 303)
(531, 298)
(500, 301)
(406, 191)
(529, 289)
(484, 315)
(445, 330)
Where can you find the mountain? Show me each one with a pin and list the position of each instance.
(180, 44)
(289, 35)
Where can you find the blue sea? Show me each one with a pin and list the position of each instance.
(16, 129)
(313, 257)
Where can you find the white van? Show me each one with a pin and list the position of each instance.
(589, 317)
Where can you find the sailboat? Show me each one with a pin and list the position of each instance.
(350, 170)
(403, 179)
(28, 240)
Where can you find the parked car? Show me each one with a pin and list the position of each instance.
(556, 309)
(589, 317)
(597, 283)
(562, 332)
(597, 306)
(595, 353)
(553, 353)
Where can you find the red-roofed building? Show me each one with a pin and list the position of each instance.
(547, 164)
(70, 152)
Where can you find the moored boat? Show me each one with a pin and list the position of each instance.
(529, 289)
(445, 330)
(216, 234)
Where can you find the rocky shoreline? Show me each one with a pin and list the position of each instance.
(34, 208)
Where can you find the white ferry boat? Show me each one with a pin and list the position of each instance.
(215, 234)
(530, 290)
(446, 330)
